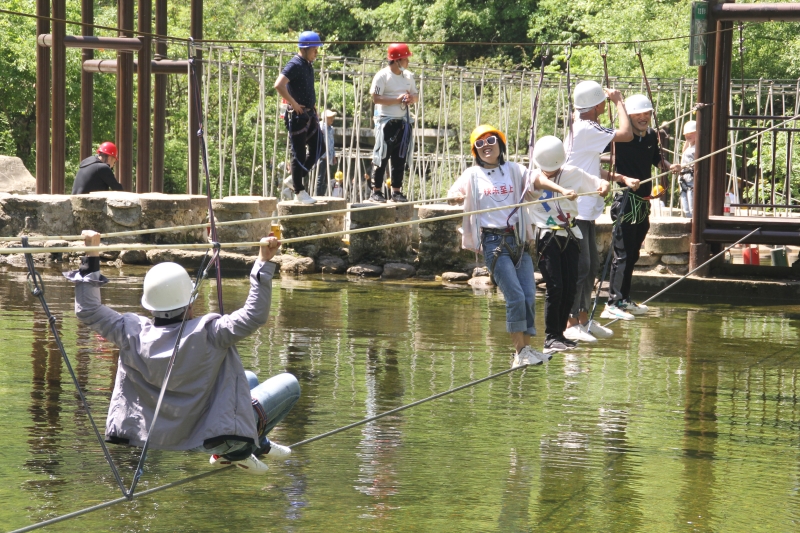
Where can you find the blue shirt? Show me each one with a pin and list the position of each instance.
(301, 81)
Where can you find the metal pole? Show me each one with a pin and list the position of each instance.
(719, 128)
(159, 101)
(196, 31)
(125, 100)
(87, 83)
(59, 112)
(143, 100)
(42, 101)
(698, 251)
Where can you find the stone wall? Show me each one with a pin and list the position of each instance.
(665, 249)
(232, 208)
(14, 177)
(313, 225)
(440, 242)
(379, 247)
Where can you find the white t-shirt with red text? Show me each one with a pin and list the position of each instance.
(495, 189)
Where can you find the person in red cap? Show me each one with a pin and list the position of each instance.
(393, 90)
(95, 174)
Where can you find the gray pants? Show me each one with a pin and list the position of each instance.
(277, 396)
(588, 265)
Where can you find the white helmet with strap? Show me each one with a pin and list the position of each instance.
(588, 94)
(638, 103)
(690, 127)
(167, 287)
(549, 154)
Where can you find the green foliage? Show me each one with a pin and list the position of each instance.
(771, 52)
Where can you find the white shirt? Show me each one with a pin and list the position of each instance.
(495, 189)
(387, 83)
(588, 140)
(564, 211)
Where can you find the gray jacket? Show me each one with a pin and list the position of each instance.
(207, 396)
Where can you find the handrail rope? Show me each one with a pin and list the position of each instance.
(188, 227)
(294, 41)
(668, 287)
(120, 247)
(293, 446)
(37, 289)
(201, 276)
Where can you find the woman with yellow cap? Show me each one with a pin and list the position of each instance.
(502, 236)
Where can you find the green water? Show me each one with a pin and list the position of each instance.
(684, 421)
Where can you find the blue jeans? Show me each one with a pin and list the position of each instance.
(277, 396)
(515, 280)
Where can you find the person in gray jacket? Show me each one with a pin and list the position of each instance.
(211, 404)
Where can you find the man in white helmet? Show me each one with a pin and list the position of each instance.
(558, 238)
(633, 158)
(585, 143)
(211, 404)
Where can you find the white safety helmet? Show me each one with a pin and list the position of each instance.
(638, 103)
(588, 94)
(167, 287)
(690, 127)
(549, 154)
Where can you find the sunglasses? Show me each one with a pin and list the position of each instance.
(488, 141)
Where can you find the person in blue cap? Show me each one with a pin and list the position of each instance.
(295, 84)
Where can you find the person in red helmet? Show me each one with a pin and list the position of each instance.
(95, 174)
(393, 90)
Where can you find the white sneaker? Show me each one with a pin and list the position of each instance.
(634, 308)
(278, 451)
(251, 465)
(614, 312)
(303, 198)
(579, 333)
(599, 331)
(527, 357)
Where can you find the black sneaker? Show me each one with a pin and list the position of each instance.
(568, 343)
(554, 345)
(377, 197)
(399, 197)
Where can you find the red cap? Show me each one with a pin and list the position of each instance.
(398, 51)
(108, 148)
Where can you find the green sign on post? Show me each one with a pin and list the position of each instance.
(698, 43)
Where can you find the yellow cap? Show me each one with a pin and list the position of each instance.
(482, 130)
(339, 176)
(657, 189)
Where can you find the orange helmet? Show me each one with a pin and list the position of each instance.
(398, 51)
(482, 130)
(108, 148)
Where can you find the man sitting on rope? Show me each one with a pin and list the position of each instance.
(558, 240)
(393, 90)
(584, 145)
(211, 404)
(96, 171)
(295, 84)
(634, 158)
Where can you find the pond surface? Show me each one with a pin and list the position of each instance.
(684, 421)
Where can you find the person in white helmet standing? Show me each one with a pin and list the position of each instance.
(211, 404)
(633, 158)
(686, 168)
(585, 143)
(558, 238)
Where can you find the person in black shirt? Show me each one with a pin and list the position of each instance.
(295, 84)
(95, 174)
(635, 159)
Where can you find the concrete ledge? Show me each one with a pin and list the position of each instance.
(440, 242)
(717, 289)
(313, 225)
(232, 208)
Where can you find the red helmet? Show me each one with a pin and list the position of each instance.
(108, 148)
(398, 51)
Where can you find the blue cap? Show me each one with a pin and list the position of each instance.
(309, 39)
